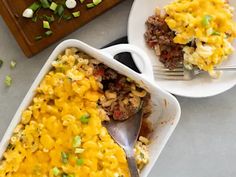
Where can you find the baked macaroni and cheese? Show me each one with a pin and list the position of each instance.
(61, 132)
(196, 33)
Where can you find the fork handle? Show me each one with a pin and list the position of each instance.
(226, 68)
(132, 163)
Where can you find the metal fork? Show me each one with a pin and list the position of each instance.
(180, 73)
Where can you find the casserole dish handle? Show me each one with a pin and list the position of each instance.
(146, 70)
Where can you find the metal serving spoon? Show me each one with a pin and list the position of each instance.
(125, 133)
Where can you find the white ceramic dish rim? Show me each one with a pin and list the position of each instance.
(171, 112)
(180, 88)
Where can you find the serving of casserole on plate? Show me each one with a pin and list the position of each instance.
(193, 33)
(57, 130)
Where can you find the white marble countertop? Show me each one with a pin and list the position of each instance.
(203, 144)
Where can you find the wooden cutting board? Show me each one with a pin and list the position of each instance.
(24, 30)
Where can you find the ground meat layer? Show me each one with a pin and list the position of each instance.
(160, 37)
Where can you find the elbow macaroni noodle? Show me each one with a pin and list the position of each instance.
(61, 132)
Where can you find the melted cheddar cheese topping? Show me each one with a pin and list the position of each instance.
(209, 23)
(61, 132)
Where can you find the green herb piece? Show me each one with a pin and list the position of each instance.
(79, 150)
(76, 141)
(8, 81)
(81, 1)
(79, 162)
(76, 14)
(60, 10)
(64, 157)
(45, 4)
(13, 64)
(85, 118)
(1, 63)
(53, 6)
(48, 33)
(216, 33)
(55, 171)
(71, 175)
(50, 19)
(90, 5)
(96, 2)
(67, 17)
(206, 20)
(37, 38)
(46, 25)
(35, 6)
(35, 18)
(64, 175)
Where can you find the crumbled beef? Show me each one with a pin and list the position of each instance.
(160, 37)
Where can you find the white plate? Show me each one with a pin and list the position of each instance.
(202, 85)
(166, 109)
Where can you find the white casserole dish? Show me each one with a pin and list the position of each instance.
(166, 109)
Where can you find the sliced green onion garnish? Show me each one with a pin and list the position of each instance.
(85, 118)
(60, 10)
(79, 150)
(35, 18)
(96, 2)
(1, 63)
(67, 17)
(50, 19)
(53, 6)
(46, 25)
(37, 38)
(206, 20)
(76, 141)
(35, 6)
(13, 64)
(48, 33)
(45, 3)
(81, 1)
(64, 157)
(8, 81)
(55, 171)
(90, 5)
(76, 14)
(79, 162)
(216, 33)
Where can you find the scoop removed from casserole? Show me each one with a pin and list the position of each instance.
(61, 132)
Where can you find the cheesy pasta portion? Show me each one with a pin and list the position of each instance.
(207, 23)
(61, 132)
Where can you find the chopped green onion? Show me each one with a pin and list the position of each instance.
(53, 6)
(8, 81)
(60, 10)
(79, 150)
(90, 5)
(13, 64)
(37, 38)
(216, 33)
(55, 171)
(45, 4)
(48, 33)
(64, 175)
(67, 17)
(50, 19)
(206, 20)
(46, 25)
(85, 118)
(35, 6)
(96, 2)
(35, 18)
(76, 141)
(76, 14)
(64, 157)
(1, 63)
(79, 162)
(81, 1)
